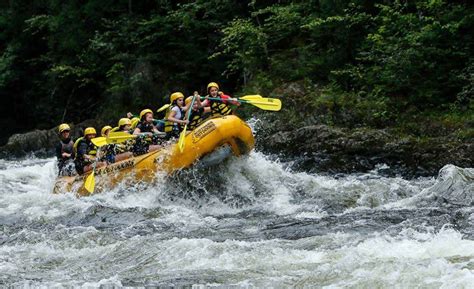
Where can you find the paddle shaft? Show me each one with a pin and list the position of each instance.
(183, 133)
(242, 101)
(157, 120)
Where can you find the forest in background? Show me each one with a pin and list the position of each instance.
(379, 64)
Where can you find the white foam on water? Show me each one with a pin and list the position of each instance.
(265, 185)
(91, 257)
(409, 259)
(26, 191)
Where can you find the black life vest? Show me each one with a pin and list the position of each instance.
(67, 146)
(91, 148)
(145, 127)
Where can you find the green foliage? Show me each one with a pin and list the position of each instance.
(245, 43)
(372, 61)
(415, 54)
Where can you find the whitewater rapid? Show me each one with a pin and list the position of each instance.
(250, 222)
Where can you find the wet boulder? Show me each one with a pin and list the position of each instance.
(322, 148)
(455, 185)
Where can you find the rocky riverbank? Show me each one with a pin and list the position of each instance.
(318, 132)
(321, 148)
(39, 142)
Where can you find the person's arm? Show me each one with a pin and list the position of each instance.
(137, 131)
(198, 101)
(172, 118)
(155, 130)
(229, 99)
(205, 102)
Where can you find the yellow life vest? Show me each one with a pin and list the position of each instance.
(169, 124)
(76, 143)
(219, 108)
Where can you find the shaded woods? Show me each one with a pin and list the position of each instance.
(370, 63)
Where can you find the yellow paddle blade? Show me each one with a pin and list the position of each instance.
(118, 134)
(89, 184)
(119, 139)
(273, 104)
(181, 139)
(163, 107)
(251, 97)
(99, 141)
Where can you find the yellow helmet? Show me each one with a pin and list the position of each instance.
(212, 84)
(135, 121)
(104, 129)
(124, 121)
(64, 126)
(145, 111)
(188, 100)
(89, 130)
(175, 95)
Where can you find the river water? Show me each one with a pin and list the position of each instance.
(250, 222)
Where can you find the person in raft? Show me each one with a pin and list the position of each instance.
(86, 152)
(218, 101)
(198, 113)
(123, 150)
(65, 151)
(107, 150)
(148, 134)
(105, 131)
(175, 116)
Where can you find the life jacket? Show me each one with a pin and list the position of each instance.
(67, 147)
(196, 118)
(91, 148)
(76, 144)
(145, 127)
(169, 124)
(219, 108)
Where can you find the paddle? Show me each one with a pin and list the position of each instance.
(163, 107)
(272, 104)
(252, 97)
(157, 120)
(183, 133)
(114, 137)
(89, 184)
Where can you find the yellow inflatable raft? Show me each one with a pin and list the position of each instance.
(227, 133)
